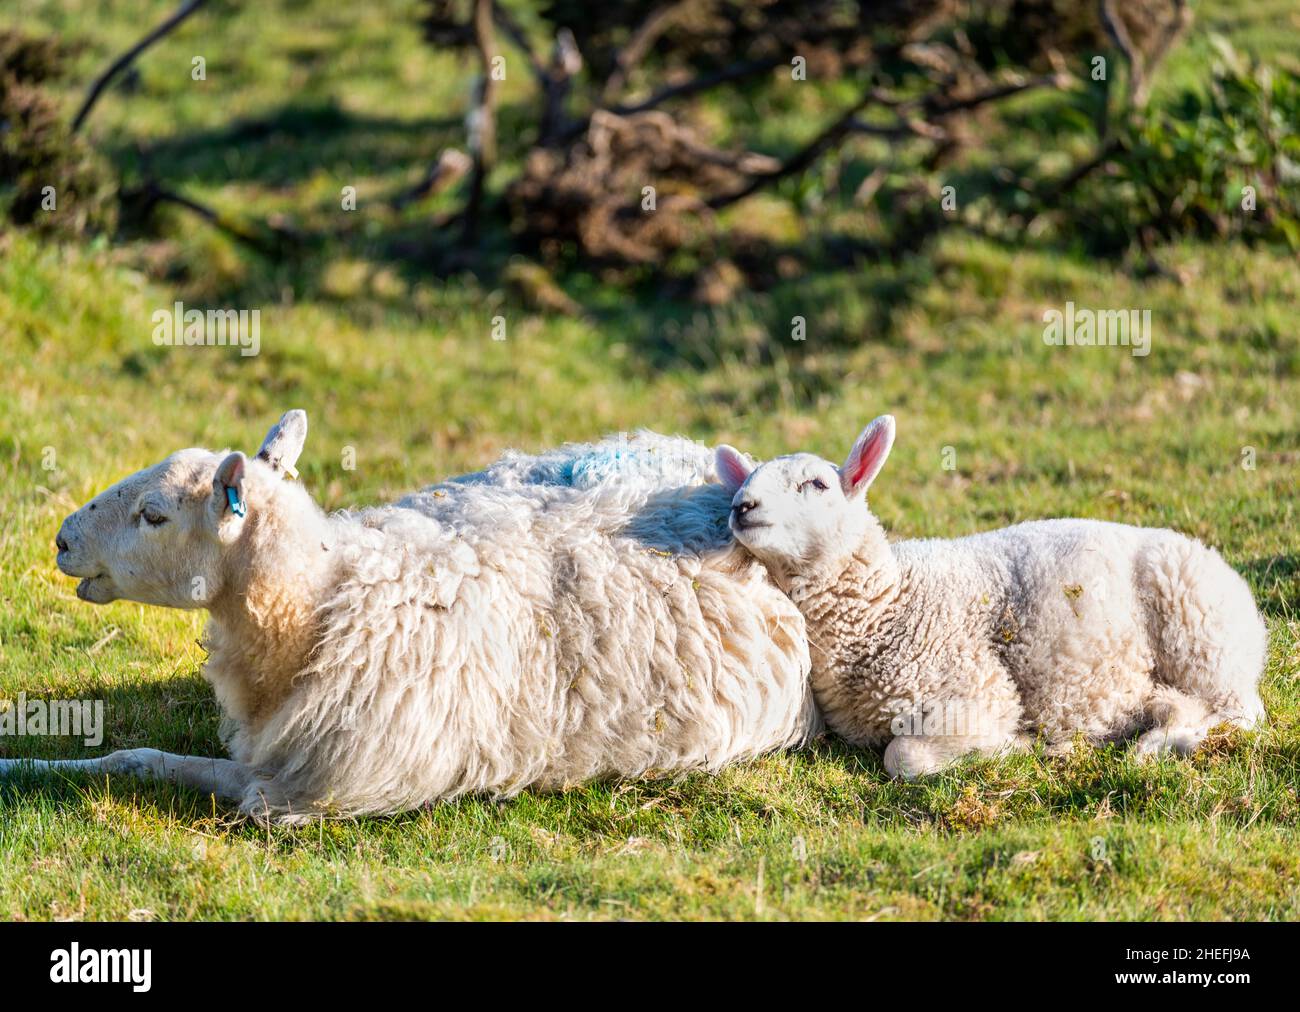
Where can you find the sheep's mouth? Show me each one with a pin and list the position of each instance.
(96, 589)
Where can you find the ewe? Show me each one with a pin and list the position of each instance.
(942, 648)
(553, 619)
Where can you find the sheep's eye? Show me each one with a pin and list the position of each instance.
(816, 483)
(151, 518)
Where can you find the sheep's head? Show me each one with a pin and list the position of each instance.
(161, 536)
(800, 513)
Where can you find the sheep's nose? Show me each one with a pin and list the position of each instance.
(744, 506)
(60, 542)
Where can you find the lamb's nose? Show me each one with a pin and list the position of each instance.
(60, 543)
(741, 508)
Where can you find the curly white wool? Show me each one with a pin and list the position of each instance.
(553, 619)
(940, 648)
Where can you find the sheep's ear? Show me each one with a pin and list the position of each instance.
(228, 503)
(283, 443)
(731, 465)
(867, 456)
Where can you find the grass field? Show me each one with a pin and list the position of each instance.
(400, 368)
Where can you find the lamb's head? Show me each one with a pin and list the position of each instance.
(163, 535)
(800, 513)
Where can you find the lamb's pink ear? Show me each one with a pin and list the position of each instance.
(867, 456)
(731, 465)
(228, 488)
(283, 443)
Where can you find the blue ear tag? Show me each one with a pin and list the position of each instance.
(236, 504)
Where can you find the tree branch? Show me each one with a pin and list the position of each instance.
(704, 82)
(801, 159)
(516, 33)
(946, 107)
(1080, 172)
(1142, 68)
(127, 58)
(268, 242)
(906, 125)
(694, 86)
(566, 62)
(1174, 29)
(638, 45)
(482, 128)
(452, 164)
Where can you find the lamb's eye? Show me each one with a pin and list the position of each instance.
(816, 483)
(152, 518)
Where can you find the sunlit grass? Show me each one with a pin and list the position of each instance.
(400, 367)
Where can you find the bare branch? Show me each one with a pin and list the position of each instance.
(482, 127)
(1174, 29)
(693, 86)
(1142, 68)
(451, 166)
(638, 45)
(704, 82)
(904, 128)
(566, 62)
(941, 107)
(1118, 32)
(906, 125)
(267, 239)
(127, 58)
(516, 33)
(802, 158)
(1080, 172)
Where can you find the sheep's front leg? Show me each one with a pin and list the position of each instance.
(222, 777)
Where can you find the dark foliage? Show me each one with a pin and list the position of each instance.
(40, 162)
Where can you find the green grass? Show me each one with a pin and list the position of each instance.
(400, 366)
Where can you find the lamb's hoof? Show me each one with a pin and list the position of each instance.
(1162, 741)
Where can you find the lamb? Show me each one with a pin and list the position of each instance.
(940, 648)
(583, 614)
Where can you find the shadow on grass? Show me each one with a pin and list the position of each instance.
(1276, 582)
(293, 143)
(180, 715)
(177, 715)
(285, 154)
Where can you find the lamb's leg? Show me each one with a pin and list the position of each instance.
(910, 756)
(1210, 642)
(935, 734)
(221, 777)
(1180, 723)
